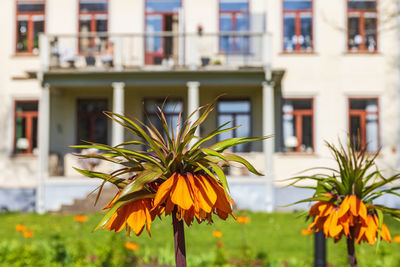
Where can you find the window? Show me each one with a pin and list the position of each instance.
(362, 26)
(30, 22)
(93, 17)
(298, 125)
(364, 123)
(91, 122)
(162, 16)
(26, 127)
(233, 17)
(297, 26)
(171, 110)
(238, 113)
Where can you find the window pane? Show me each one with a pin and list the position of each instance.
(153, 25)
(224, 119)
(226, 25)
(299, 104)
(93, 6)
(372, 132)
(101, 25)
(22, 35)
(34, 134)
(92, 123)
(21, 142)
(306, 142)
(297, 5)
(289, 39)
(38, 27)
(100, 129)
(84, 129)
(355, 131)
(364, 104)
(362, 5)
(243, 131)
(305, 39)
(26, 106)
(370, 31)
(289, 132)
(163, 5)
(30, 6)
(355, 39)
(234, 106)
(92, 106)
(233, 5)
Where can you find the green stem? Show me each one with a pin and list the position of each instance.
(351, 252)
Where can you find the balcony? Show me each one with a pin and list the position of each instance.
(154, 51)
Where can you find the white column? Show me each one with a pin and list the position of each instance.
(118, 107)
(44, 144)
(268, 145)
(193, 101)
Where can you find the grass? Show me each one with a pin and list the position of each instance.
(275, 236)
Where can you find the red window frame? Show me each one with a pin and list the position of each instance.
(298, 14)
(92, 22)
(30, 29)
(361, 28)
(92, 117)
(299, 126)
(363, 120)
(149, 56)
(29, 116)
(234, 15)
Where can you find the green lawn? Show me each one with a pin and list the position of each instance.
(274, 236)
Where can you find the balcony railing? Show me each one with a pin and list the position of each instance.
(164, 50)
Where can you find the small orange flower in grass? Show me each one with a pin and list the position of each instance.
(242, 219)
(20, 228)
(80, 218)
(306, 232)
(131, 246)
(195, 196)
(220, 244)
(217, 234)
(396, 238)
(134, 216)
(28, 234)
(352, 214)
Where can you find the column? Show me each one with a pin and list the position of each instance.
(193, 102)
(44, 143)
(118, 107)
(268, 145)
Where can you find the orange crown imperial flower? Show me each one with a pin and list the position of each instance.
(174, 174)
(20, 228)
(217, 234)
(131, 246)
(195, 196)
(28, 234)
(242, 219)
(80, 218)
(352, 214)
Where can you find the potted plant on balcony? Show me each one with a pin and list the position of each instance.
(174, 176)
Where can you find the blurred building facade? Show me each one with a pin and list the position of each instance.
(303, 70)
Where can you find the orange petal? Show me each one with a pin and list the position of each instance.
(385, 233)
(357, 207)
(334, 228)
(164, 191)
(344, 207)
(181, 194)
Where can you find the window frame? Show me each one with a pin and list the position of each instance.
(148, 55)
(297, 14)
(363, 121)
(299, 127)
(92, 129)
(30, 29)
(92, 23)
(361, 28)
(28, 124)
(249, 113)
(234, 14)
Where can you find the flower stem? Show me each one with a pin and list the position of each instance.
(179, 241)
(351, 252)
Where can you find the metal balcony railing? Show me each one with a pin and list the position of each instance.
(163, 50)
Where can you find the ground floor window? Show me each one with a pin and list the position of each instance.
(91, 122)
(171, 109)
(364, 123)
(238, 113)
(26, 127)
(298, 125)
